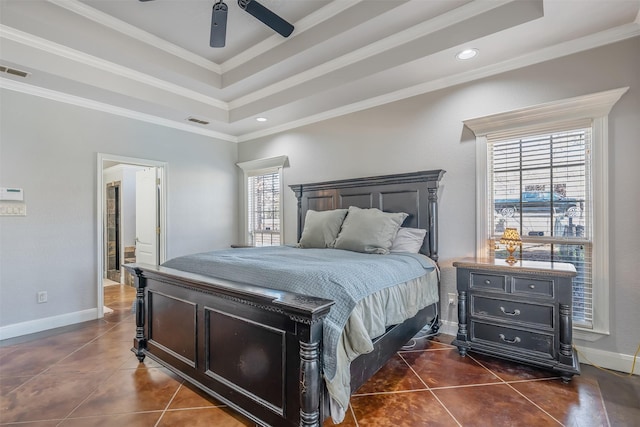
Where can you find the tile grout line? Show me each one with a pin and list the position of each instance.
(425, 349)
(430, 391)
(89, 417)
(514, 389)
(169, 404)
(45, 371)
(89, 395)
(534, 404)
(445, 407)
(485, 368)
(353, 414)
(107, 377)
(604, 406)
(33, 377)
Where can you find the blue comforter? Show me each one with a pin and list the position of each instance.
(343, 276)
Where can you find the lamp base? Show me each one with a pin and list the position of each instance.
(511, 259)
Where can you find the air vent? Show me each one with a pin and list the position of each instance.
(13, 71)
(199, 121)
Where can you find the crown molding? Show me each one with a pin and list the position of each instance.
(574, 46)
(120, 26)
(48, 46)
(107, 108)
(603, 38)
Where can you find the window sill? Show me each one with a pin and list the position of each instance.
(590, 335)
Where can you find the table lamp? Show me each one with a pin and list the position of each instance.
(511, 238)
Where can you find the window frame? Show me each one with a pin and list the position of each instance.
(260, 167)
(543, 118)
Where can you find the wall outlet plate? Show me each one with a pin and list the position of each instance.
(42, 297)
(453, 298)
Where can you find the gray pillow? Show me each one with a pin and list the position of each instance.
(321, 228)
(369, 230)
(408, 240)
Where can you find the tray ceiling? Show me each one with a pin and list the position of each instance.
(151, 60)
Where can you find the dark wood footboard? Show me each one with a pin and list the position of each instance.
(254, 349)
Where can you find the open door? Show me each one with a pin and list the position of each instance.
(147, 220)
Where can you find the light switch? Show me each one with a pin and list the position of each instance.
(13, 209)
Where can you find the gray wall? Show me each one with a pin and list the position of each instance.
(50, 149)
(426, 132)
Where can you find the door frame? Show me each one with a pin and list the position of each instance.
(162, 168)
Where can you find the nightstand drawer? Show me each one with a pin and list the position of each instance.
(541, 287)
(540, 343)
(488, 281)
(534, 314)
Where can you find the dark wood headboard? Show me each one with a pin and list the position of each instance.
(415, 193)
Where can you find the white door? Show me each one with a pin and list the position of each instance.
(147, 225)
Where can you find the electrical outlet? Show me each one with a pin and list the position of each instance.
(42, 297)
(452, 298)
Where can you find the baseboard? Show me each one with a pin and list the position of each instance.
(39, 325)
(589, 356)
(607, 359)
(449, 328)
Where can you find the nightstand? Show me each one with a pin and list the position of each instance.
(519, 312)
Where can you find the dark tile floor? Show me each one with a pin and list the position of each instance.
(85, 375)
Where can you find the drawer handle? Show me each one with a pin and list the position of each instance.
(487, 282)
(513, 341)
(532, 286)
(515, 312)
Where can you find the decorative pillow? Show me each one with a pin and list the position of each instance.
(408, 240)
(321, 228)
(369, 230)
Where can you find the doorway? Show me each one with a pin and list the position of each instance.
(126, 210)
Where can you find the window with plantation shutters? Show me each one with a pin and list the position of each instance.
(263, 201)
(264, 209)
(541, 185)
(544, 170)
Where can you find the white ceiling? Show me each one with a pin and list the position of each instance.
(152, 61)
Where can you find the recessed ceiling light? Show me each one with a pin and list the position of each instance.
(261, 119)
(467, 54)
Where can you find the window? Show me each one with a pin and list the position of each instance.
(541, 185)
(264, 209)
(543, 170)
(263, 201)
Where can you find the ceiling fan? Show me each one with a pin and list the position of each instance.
(219, 20)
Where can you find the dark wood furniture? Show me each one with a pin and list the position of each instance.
(259, 350)
(520, 312)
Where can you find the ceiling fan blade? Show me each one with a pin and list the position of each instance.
(269, 18)
(218, 25)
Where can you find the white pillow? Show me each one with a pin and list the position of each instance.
(369, 230)
(408, 240)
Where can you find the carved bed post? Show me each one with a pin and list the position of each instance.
(310, 384)
(433, 222)
(311, 381)
(297, 190)
(140, 341)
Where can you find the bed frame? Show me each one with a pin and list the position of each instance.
(259, 350)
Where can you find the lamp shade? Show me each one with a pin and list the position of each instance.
(510, 236)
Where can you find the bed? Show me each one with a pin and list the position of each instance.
(262, 350)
